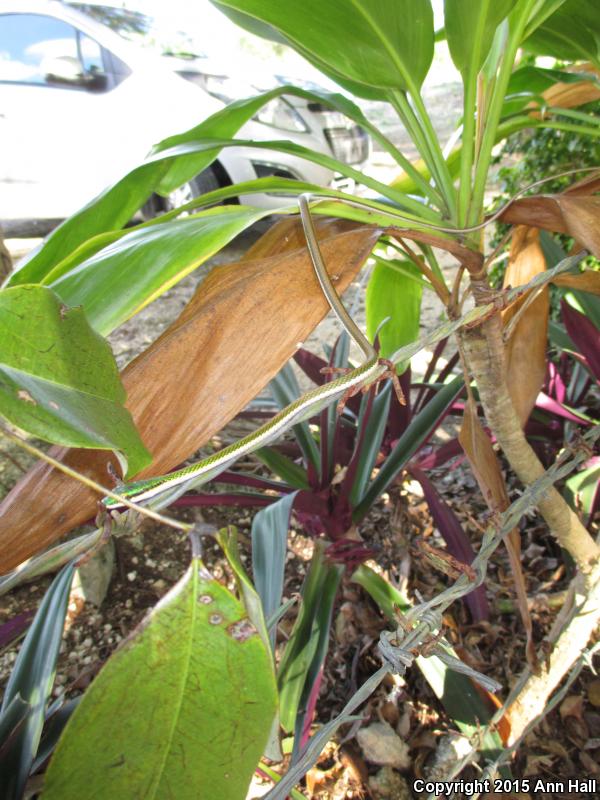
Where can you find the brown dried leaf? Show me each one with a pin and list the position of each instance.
(486, 468)
(578, 216)
(588, 281)
(235, 334)
(571, 95)
(526, 347)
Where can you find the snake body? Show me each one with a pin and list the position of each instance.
(164, 489)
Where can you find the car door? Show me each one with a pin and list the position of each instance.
(56, 122)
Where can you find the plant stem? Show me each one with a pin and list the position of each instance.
(518, 21)
(403, 108)
(433, 140)
(569, 637)
(484, 354)
(403, 162)
(467, 150)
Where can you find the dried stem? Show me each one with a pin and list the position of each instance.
(484, 354)
(97, 487)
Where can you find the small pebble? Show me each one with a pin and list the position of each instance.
(131, 576)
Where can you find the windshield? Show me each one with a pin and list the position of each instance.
(142, 29)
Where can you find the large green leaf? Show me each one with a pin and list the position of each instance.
(572, 32)
(58, 377)
(183, 709)
(394, 294)
(470, 27)
(387, 44)
(114, 207)
(29, 687)
(188, 149)
(122, 278)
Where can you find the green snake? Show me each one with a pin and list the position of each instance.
(164, 489)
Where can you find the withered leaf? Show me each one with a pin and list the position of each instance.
(526, 347)
(485, 465)
(235, 334)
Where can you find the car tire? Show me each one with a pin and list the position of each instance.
(206, 181)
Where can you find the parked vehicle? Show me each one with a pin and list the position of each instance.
(80, 105)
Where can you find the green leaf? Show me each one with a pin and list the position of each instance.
(371, 441)
(308, 642)
(165, 171)
(413, 437)
(394, 295)
(581, 489)
(228, 541)
(293, 474)
(183, 709)
(117, 282)
(269, 549)
(386, 45)
(114, 207)
(571, 33)
(188, 149)
(470, 28)
(58, 377)
(30, 683)
(536, 80)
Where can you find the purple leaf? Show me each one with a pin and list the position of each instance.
(441, 378)
(222, 499)
(456, 539)
(243, 479)
(585, 335)
(437, 352)
(553, 406)
(556, 385)
(14, 627)
(310, 708)
(438, 456)
(311, 365)
(400, 416)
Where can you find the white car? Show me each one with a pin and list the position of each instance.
(80, 106)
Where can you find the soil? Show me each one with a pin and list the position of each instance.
(150, 561)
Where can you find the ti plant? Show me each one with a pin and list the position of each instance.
(58, 381)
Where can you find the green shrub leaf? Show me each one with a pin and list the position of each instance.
(386, 45)
(58, 377)
(183, 709)
(394, 293)
(470, 27)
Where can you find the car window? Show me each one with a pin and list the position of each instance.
(31, 43)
